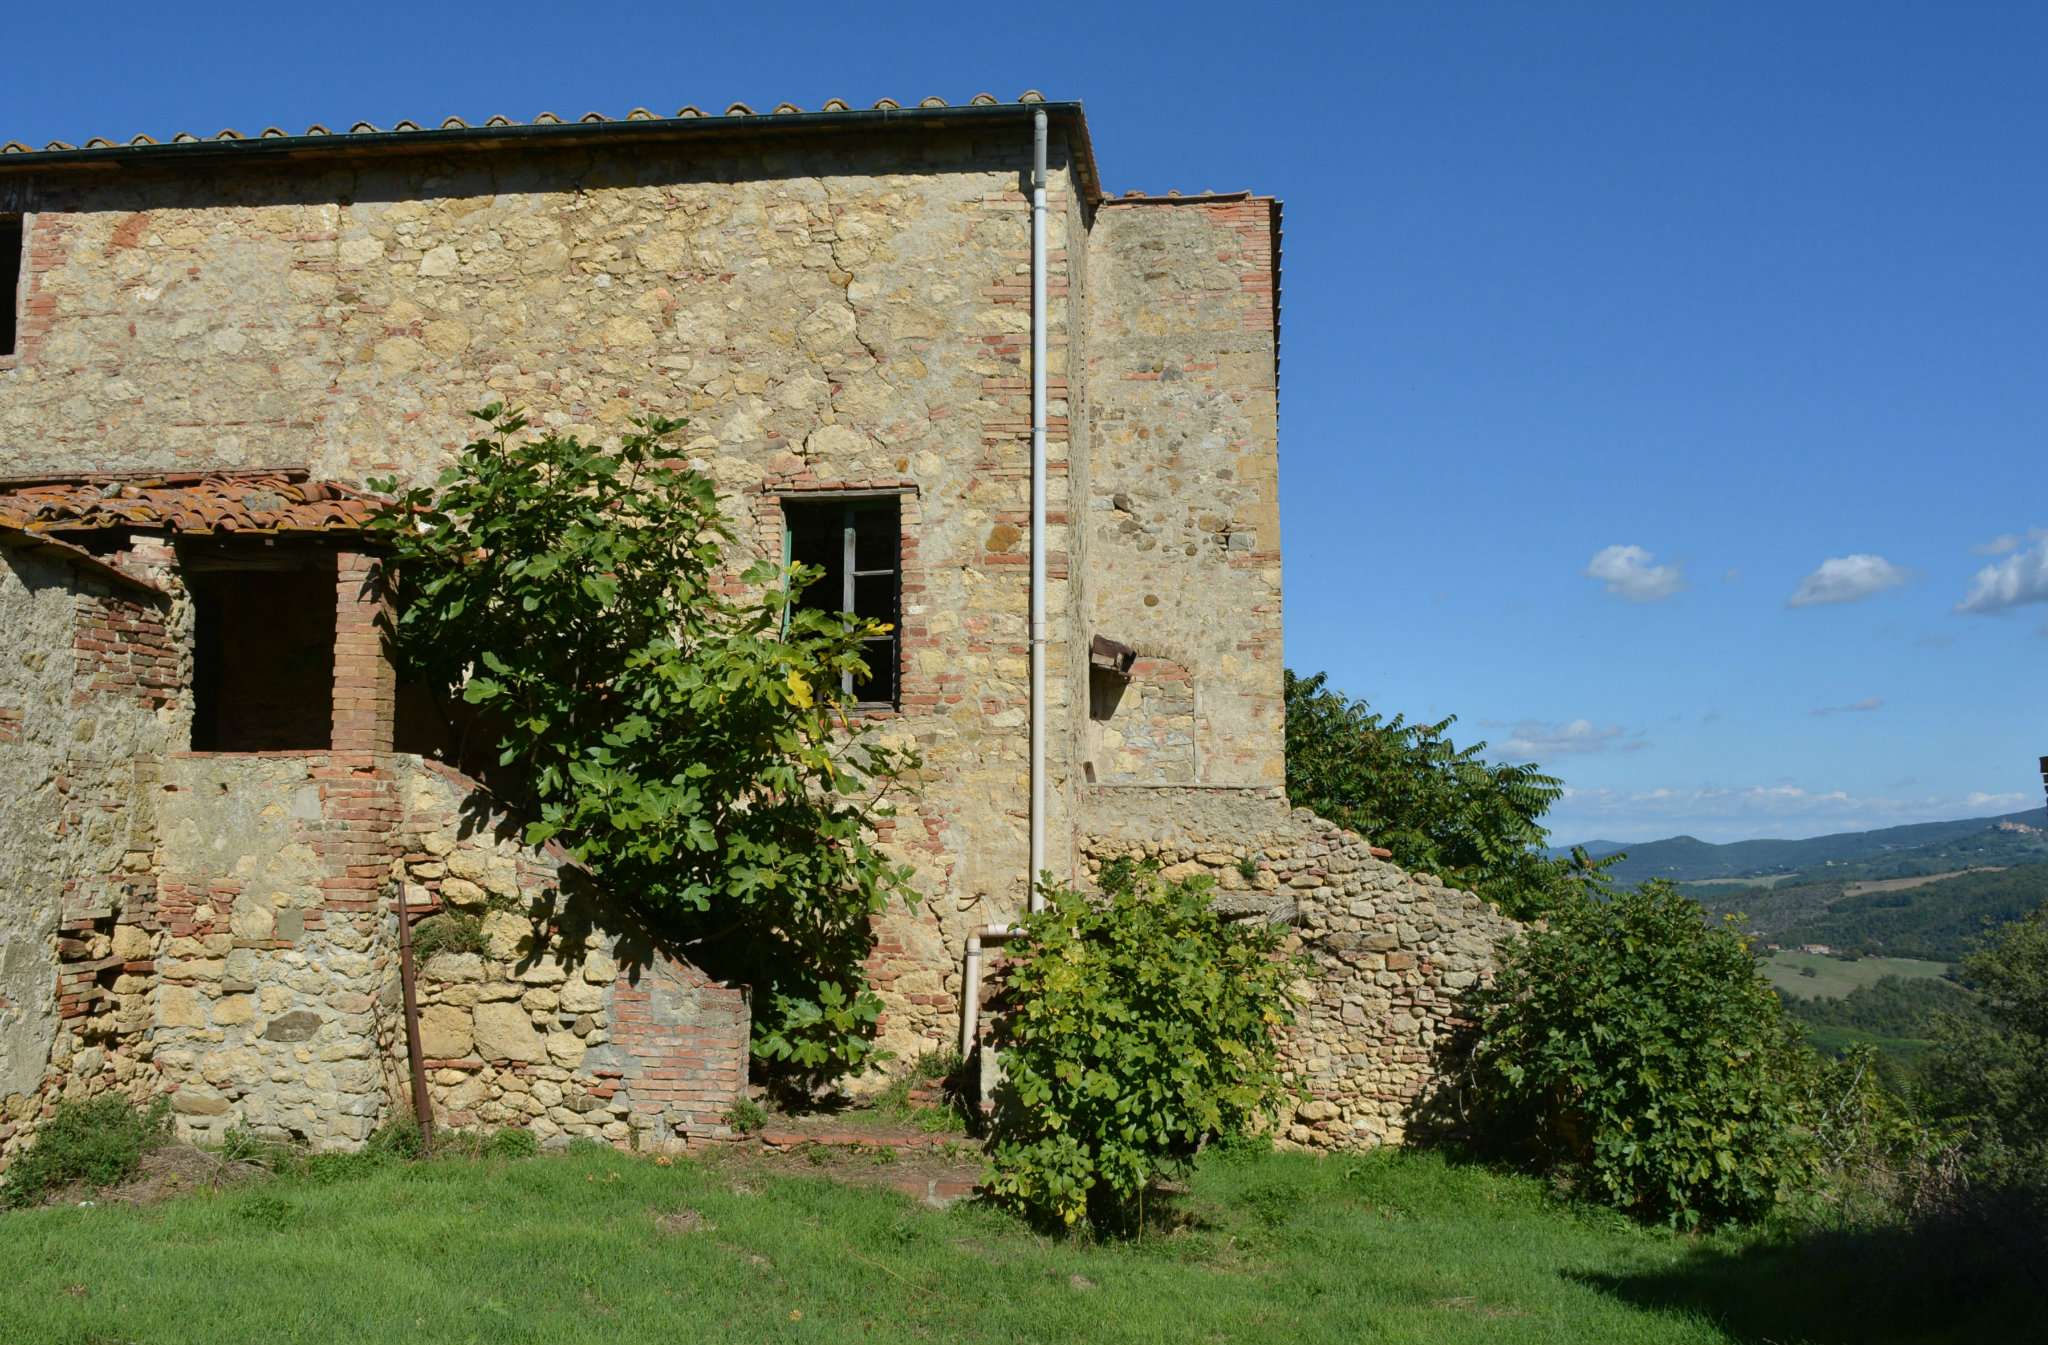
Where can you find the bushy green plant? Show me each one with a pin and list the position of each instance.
(682, 739)
(1637, 1049)
(448, 932)
(745, 1116)
(97, 1142)
(1878, 1158)
(1991, 1065)
(1135, 1028)
(1439, 807)
(397, 1138)
(511, 1142)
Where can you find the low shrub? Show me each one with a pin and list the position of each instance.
(397, 1138)
(1135, 1029)
(1990, 1068)
(448, 932)
(510, 1142)
(98, 1142)
(1636, 1051)
(745, 1116)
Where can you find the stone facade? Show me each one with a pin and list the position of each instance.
(833, 312)
(841, 305)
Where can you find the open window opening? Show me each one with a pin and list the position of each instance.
(263, 652)
(10, 281)
(857, 542)
(1109, 673)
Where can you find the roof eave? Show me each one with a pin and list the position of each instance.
(487, 139)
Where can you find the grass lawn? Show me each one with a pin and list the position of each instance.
(1834, 978)
(596, 1246)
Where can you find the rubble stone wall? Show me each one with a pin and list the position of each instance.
(90, 685)
(1182, 509)
(1391, 954)
(257, 985)
(578, 1031)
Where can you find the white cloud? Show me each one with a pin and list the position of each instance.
(1864, 706)
(2019, 579)
(1629, 573)
(1847, 579)
(1999, 545)
(1741, 812)
(1533, 740)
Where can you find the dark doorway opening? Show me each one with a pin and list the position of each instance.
(263, 655)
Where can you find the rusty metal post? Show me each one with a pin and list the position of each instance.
(422, 1105)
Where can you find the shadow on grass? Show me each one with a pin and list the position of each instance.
(1980, 1275)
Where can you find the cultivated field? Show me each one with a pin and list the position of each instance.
(1834, 977)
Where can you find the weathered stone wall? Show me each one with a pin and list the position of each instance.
(279, 1005)
(1391, 954)
(276, 956)
(1182, 510)
(36, 610)
(1153, 733)
(849, 313)
(91, 680)
(578, 1032)
(830, 316)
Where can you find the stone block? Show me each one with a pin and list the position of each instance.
(454, 967)
(580, 996)
(132, 943)
(506, 934)
(445, 1032)
(462, 894)
(504, 1031)
(299, 1025)
(253, 920)
(180, 1006)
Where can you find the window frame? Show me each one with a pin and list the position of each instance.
(17, 298)
(850, 504)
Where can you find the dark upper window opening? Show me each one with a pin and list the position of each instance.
(857, 542)
(11, 268)
(262, 651)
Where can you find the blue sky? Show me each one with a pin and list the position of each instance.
(1658, 381)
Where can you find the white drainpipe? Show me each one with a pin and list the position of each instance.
(1038, 637)
(970, 980)
(970, 987)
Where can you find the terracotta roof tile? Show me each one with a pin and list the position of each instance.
(544, 119)
(213, 502)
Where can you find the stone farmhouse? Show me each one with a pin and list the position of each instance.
(215, 792)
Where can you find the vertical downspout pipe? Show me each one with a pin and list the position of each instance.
(416, 1065)
(970, 979)
(1033, 900)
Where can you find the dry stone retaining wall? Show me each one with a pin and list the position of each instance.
(1392, 954)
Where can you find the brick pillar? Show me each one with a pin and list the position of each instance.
(365, 682)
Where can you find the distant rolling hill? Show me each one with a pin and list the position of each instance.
(1940, 920)
(1924, 847)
